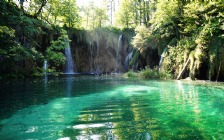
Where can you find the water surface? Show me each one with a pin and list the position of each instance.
(107, 107)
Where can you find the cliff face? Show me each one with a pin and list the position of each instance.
(99, 52)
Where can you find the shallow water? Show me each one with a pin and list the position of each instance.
(106, 107)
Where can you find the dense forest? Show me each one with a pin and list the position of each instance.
(176, 38)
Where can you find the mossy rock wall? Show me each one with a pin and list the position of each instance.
(97, 51)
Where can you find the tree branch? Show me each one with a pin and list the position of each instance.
(43, 3)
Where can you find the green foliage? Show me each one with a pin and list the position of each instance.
(131, 74)
(148, 73)
(165, 75)
(163, 28)
(94, 16)
(18, 49)
(6, 32)
(70, 13)
(208, 19)
(153, 73)
(186, 29)
(6, 36)
(143, 38)
(216, 55)
(125, 15)
(25, 37)
(165, 17)
(56, 12)
(54, 53)
(132, 13)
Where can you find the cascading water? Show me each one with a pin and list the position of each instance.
(97, 44)
(118, 59)
(69, 69)
(91, 59)
(45, 67)
(127, 60)
(97, 69)
(160, 62)
(161, 59)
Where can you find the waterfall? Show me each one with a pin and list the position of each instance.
(161, 58)
(96, 64)
(97, 43)
(118, 59)
(127, 60)
(91, 58)
(160, 62)
(45, 67)
(69, 69)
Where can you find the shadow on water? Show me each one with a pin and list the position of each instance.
(106, 107)
(22, 93)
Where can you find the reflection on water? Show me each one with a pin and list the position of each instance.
(69, 82)
(104, 107)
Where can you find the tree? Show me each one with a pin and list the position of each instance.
(165, 19)
(86, 10)
(198, 29)
(101, 16)
(57, 12)
(70, 13)
(141, 40)
(125, 15)
(135, 12)
(54, 53)
(94, 16)
(34, 8)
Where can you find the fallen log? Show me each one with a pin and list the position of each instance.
(184, 69)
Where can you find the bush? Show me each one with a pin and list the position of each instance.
(165, 75)
(148, 73)
(131, 74)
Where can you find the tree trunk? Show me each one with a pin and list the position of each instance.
(184, 69)
(87, 21)
(21, 4)
(127, 24)
(136, 15)
(144, 9)
(100, 22)
(220, 64)
(147, 14)
(55, 19)
(43, 3)
(140, 14)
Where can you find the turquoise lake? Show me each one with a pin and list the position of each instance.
(85, 107)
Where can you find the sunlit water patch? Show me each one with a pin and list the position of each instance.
(104, 107)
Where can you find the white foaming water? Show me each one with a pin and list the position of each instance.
(69, 69)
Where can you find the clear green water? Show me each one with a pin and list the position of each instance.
(105, 107)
